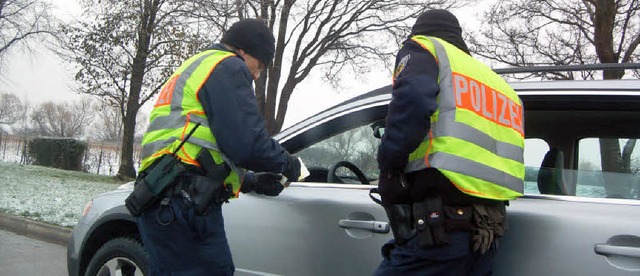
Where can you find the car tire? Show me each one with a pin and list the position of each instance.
(120, 256)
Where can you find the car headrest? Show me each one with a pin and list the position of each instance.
(550, 175)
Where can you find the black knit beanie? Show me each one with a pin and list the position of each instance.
(441, 24)
(252, 36)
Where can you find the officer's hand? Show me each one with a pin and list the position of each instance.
(262, 183)
(391, 190)
(268, 184)
(249, 182)
(292, 171)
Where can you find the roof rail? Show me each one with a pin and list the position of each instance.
(565, 68)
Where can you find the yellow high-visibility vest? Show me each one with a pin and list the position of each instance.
(477, 133)
(177, 110)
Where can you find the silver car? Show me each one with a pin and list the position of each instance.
(575, 219)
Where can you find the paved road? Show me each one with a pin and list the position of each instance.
(20, 255)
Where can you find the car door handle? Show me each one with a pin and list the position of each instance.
(607, 250)
(370, 225)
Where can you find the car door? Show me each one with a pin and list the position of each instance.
(555, 235)
(576, 218)
(317, 227)
(300, 233)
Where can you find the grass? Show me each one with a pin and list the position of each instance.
(49, 195)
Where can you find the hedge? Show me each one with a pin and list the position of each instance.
(61, 153)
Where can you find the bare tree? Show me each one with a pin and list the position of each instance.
(330, 35)
(62, 119)
(125, 50)
(10, 107)
(21, 126)
(344, 145)
(560, 32)
(21, 21)
(357, 146)
(108, 126)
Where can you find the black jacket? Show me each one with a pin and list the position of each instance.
(413, 102)
(229, 101)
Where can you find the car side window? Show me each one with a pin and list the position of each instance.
(534, 152)
(608, 168)
(357, 146)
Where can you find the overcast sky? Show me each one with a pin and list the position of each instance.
(42, 76)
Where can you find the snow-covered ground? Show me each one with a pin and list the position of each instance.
(49, 195)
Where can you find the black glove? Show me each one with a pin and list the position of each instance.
(262, 183)
(391, 189)
(292, 171)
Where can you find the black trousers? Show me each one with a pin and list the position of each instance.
(456, 258)
(180, 242)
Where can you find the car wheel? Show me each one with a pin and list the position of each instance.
(120, 256)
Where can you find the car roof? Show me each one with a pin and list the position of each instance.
(625, 87)
(592, 87)
(569, 98)
(549, 87)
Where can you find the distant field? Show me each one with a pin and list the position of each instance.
(100, 158)
(49, 195)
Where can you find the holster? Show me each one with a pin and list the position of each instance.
(400, 219)
(152, 183)
(209, 189)
(205, 191)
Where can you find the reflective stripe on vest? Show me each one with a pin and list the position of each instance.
(477, 133)
(176, 112)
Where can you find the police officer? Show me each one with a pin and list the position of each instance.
(214, 89)
(450, 157)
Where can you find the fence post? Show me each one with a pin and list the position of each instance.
(4, 146)
(23, 157)
(100, 157)
(18, 148)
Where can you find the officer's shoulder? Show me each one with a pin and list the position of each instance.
(418, 54)
(233, 64)
(411, 46)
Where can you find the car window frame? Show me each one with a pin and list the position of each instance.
(532, 94)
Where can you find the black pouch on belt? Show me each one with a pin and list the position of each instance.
(151, 184)
(429, 221)
(458, 218)
(141, 197)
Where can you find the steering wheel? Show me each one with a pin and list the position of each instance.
(333, 178)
